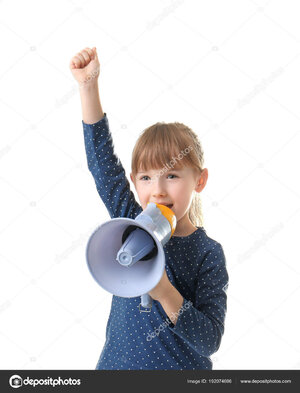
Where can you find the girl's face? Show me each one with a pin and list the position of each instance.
(173, 189)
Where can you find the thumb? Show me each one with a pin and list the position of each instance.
(95, 52)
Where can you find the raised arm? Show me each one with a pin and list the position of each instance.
(85, 67)
(105, 166)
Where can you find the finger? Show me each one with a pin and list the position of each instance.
(86, 57)
(75, 62)
(95, 52)
(80, 58)
(90, 52)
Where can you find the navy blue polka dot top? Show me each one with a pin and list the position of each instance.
(195, 265)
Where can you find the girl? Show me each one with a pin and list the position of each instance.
(186, 322)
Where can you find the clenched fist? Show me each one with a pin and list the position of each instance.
(85, 66)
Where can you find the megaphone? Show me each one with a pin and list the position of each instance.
(126, 256)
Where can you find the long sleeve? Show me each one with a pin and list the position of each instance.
(201, 324)
(108, 172)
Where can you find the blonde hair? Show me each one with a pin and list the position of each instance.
(162, 143)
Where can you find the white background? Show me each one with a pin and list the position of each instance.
(230, 71)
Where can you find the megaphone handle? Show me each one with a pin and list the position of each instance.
(146, 302)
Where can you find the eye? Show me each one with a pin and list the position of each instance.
(144, 177)
(172, 175)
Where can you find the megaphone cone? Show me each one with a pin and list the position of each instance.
(126, 256)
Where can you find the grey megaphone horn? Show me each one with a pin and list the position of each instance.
(126, 256)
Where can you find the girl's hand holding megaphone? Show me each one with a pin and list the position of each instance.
(168, 296)
(162, 289)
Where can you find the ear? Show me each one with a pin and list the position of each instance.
(201, 180)
(132, 178)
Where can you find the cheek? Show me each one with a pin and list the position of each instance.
(142, 193)
(183, 193)
(179, 189)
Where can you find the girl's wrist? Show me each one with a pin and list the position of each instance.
(92, 110)
(167, 293)
(88, 86)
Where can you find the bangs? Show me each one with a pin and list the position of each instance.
(162, 146)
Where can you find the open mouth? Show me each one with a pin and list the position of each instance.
(164, 204)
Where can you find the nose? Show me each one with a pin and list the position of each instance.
(158, 189)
